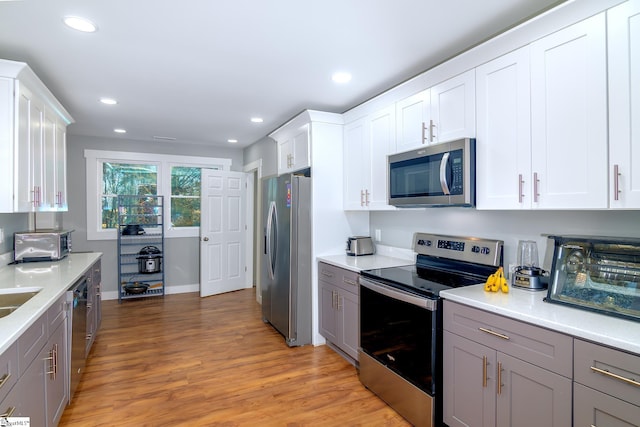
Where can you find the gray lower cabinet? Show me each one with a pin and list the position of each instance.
(607, 386)
(501, 372)
(39, 391)
(339, 308)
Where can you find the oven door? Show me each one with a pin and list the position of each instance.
(401, 331)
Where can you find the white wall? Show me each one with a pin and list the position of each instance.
(397, 227)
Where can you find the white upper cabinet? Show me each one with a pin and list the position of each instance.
(453, 108)
(569, 117)
(367, 142)
(624, 105)
(442, 113)
(32, 143)
(293, 151)
(413, 119)
(503, 147)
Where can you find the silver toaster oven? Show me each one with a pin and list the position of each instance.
(43, 245)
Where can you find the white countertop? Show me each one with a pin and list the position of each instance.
(54, 278)
(529, 307)
(364, 262)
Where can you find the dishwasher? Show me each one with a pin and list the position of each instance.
(77, 332)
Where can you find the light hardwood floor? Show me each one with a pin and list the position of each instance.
(183, 360)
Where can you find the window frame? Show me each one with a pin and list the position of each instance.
(94, 160)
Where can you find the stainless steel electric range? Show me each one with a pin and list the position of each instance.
(400, 355)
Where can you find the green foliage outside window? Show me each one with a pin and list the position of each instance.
(124, 179)
(185, 196)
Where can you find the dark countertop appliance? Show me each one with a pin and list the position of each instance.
(596, 273)
(400, 352)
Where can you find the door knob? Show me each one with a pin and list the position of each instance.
(206, 239)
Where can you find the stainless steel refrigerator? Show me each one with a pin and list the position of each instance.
(286, 259)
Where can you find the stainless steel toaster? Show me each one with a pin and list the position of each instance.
(360, 245)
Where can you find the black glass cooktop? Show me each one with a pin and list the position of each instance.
(429, 280)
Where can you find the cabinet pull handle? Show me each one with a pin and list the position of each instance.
(361, 197)
(424, 132)
(4, 379)
(484, 371)
(431, 134)
(349, 282)
(520, 186)
(496, 334)
(500, 377)
(616, 182)
(615, 376)
(324, 273)
(10, 410)
(333, 299)
(536, 181)
(366, 197)
(339, 302)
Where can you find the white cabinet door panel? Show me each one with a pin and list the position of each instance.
(453, 108)
(624, 104)
(503, 147)
(569, 117)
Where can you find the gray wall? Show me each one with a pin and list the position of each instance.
(10, 223)
(397, 227)
(181, 255)
(266, 150)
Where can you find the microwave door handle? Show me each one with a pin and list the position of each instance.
(443, 174)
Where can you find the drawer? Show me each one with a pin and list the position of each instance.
(8, 370)
(541, 347)
(342, 278)
(57, 313)
(593, 408)
(31, 342)
(613, 372)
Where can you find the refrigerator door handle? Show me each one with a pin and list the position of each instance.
(272, 236)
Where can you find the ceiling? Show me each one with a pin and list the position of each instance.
(199, 70)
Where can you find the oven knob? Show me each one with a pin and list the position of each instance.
(485, 250)
(475, 249)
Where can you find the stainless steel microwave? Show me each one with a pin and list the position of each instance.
(436, 175)
(43, 245)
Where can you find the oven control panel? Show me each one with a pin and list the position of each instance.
(470, 249)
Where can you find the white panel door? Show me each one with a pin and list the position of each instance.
(222, 232)
(503, 146)
(569, 117)
(624, 105)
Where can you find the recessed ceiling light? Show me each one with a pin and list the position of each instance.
(80, 24)
(257, 120)
(120, 130)
(341, 77)
(108, 101)
(232, 141)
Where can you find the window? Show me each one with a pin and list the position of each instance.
(112, 173)
(125, 179)
(185, 196)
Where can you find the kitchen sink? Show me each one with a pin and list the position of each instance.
(10, 302)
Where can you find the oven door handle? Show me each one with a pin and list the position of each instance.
(429, 304)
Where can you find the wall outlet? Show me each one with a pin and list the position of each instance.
(378, 235)
(512, 269)
(1, 236)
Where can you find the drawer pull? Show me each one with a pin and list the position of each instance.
(489, 331)
(614, 376)
(4, 379)
(324, 273)
(10, 411)
(350, 282)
